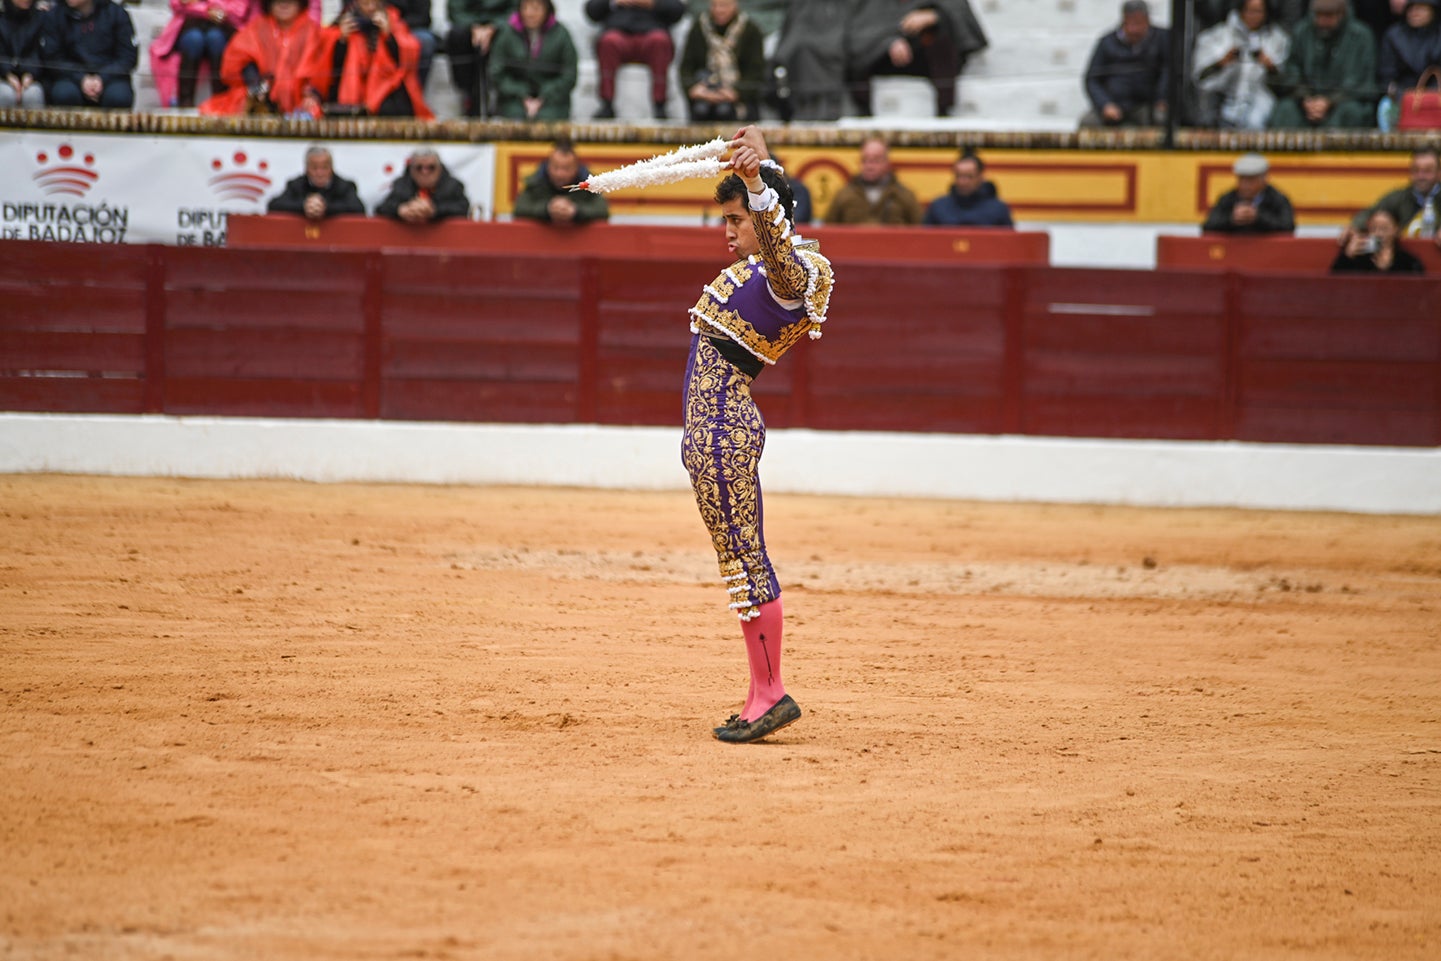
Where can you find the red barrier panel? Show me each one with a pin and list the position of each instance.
(1312, 255)
(1348, 360)
(74, 328)
(1124, 354)
(561, 339)
(845, 243)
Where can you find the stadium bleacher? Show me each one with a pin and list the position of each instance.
(1028, 79)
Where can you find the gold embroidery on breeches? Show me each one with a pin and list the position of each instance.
(721, 447)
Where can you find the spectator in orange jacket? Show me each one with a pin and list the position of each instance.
(368, 62)
(264, 64)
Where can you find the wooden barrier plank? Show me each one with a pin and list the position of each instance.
(924, 413)
(271, 397)
(1331, 384)
(254, 355)
(1322, 425)
(520, 402)
(120, 267)
(73, 395)
(443, 360)
(69, 306)
(1157, 417)
(80, 350)
(216, 268)
(264, 308)
(480, 317)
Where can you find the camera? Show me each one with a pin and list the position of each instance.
(1253, 44)
(1372, 245)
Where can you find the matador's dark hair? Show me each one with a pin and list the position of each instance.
(734, 187)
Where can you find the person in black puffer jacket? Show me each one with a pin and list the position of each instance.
(89, 53)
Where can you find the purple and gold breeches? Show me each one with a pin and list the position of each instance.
(721, 448)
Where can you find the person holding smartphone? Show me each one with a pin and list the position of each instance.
(1375, 249)
(1254, 206)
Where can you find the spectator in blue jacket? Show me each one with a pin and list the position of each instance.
(1409, 48)
(971, 201)
(90, 53)
(1127, 77)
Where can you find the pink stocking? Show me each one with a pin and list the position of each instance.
(763, 650)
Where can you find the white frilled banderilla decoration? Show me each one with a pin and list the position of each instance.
(702, 160)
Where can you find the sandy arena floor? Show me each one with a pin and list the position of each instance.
(293, 722)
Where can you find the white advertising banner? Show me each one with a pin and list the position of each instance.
(107, 188)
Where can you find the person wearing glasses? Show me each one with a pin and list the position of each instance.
(425, 193)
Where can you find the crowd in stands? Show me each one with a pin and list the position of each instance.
(1253, 64)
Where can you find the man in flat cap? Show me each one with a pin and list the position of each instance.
(1254, 206)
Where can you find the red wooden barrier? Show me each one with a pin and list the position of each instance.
(1312, 255)
(602, 339)
(847, 243)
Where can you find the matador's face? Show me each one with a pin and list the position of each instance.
(740, 231)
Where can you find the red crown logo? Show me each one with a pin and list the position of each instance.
(65, 175)
(238, 183)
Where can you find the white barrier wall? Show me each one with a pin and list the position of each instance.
(996, 468)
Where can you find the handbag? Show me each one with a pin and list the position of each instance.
(1421, 108)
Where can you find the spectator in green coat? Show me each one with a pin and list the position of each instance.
(533, 65)
(546, 196)
(1329, 78)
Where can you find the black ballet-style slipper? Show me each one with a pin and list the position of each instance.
(731, 722)
(785, 711)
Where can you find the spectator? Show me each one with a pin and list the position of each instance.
(416, 14)
(367, 62)
(1375, 249)
(1254, 206)
(318, 193)
(264, 64)
(426, 193)
(874, 196)
(634, 31)
(971, 201)
(89, 52)
(473, 26)
(196, 34)
(21, 31)
(1327, 81)
(533, 65)
(1408, 205)
(723, 66)
(1377, 15)
(766, 14)
(808, 66)
(547, 198)
(915, 38)
(1233, 64)
(1129, 70)
(1408, 48)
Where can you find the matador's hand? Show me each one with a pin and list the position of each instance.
(748, 149)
